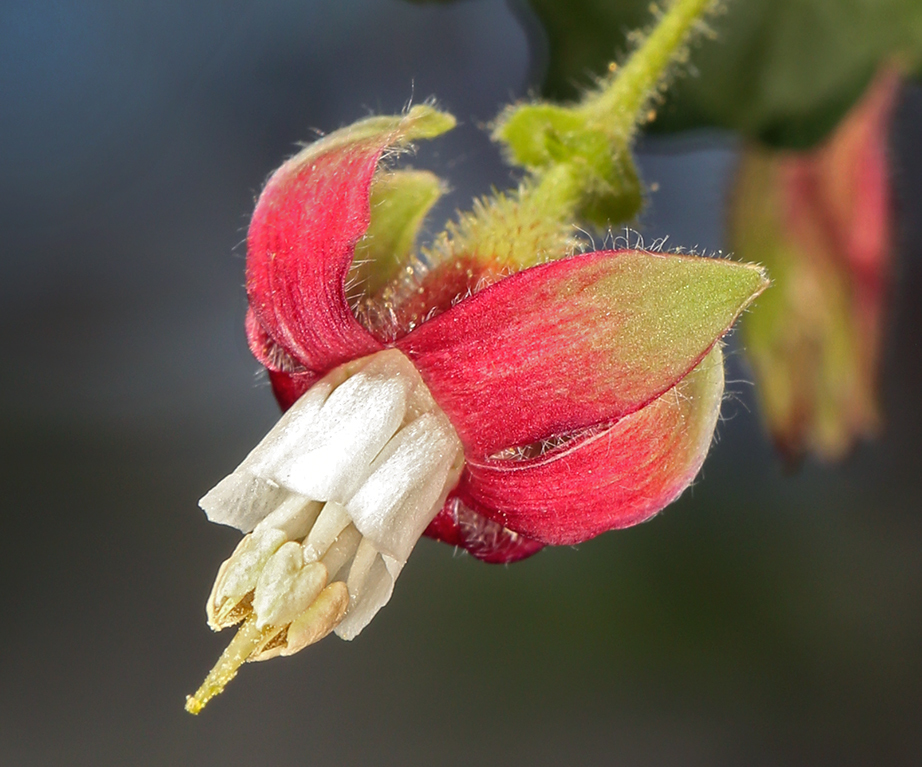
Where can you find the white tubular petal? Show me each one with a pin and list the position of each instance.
(342, 487)
(247, 496)
(286, 436)
(242, 500)
(408, 483)
(322, 448)
(376, 591)
(354, 424)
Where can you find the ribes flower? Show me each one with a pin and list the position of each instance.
(822, 222)
(496, 412)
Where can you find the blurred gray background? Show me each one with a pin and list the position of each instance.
(764, 619)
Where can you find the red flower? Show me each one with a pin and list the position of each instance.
(499, 415)
(588, 351)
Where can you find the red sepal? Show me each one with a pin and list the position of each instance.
(611, 478)
(574, 343)
(489, 541)
(299, 249)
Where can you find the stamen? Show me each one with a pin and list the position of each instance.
(295, 516)
(248, 640)
(287, 586)
(238, 575)
(324, 615)
(336, 496)
(342, 551)
(361, 565)
(331, 522)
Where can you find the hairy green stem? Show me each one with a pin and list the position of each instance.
(619, 105)
(578, 156)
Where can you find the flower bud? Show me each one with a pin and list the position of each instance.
(821, 222)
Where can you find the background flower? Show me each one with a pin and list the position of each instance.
(822, 221)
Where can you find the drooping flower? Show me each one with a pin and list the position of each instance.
(496, 413)
(821, 222)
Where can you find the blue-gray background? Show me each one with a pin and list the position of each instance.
(764, 619)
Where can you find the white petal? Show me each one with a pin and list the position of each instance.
(323, 447)
(356, 421)
(343, 485)
(376, 592)
(407, 486)
(242, 500)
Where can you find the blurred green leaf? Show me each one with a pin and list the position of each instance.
(783, 71)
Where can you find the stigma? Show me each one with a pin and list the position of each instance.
(332, 502)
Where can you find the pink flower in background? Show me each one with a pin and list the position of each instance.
(821, 222)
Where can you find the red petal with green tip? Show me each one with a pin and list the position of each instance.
(610, 478)
(575, 343)
(300, 246)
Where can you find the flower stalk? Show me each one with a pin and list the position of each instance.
(588, 144)
(622, 100)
